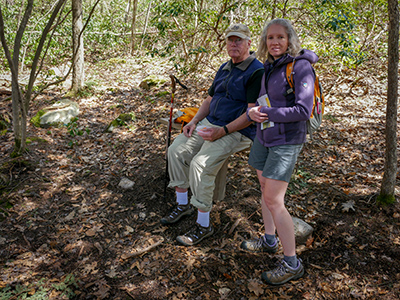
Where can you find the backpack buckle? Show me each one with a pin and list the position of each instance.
(289, 91)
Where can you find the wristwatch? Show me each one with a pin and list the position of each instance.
(226, 129)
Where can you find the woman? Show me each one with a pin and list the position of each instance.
(277, 146)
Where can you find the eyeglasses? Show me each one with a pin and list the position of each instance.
(236, 41)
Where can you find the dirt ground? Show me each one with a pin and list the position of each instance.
(69, 231)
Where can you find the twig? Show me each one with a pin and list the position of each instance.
(141, 251)
(26, 240)
(234, 226)
(129, 294)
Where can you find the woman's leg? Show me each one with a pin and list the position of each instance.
(269, 225)
(273, 196)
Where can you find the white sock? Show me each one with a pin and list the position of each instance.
(203, 218)
(182, 198)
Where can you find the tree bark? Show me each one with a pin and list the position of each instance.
(20, 101)
(146, 22)
(128, 9)
(133, 28)
(390, 169)
(274, 10)
(78, 71)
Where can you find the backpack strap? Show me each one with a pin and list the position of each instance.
(289, 76)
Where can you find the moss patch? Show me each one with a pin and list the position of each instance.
(385, 200)
(117, 60)
(122, 120)
(36, 119)
(3, 125)
(152, 80)
(161, 94)
(32, 139)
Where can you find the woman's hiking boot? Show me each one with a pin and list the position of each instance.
(283, 273)
(260, 245)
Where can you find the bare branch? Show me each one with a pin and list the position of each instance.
(73, 57)
(38, 52)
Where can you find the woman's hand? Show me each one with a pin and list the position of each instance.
(256, 115)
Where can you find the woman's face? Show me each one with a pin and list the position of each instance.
(277, 41)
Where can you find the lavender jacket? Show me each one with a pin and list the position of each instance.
(288, 112)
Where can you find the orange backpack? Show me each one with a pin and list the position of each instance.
(186, 115)
(315, 120)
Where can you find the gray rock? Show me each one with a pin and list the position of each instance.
(126, 184)
(62, 112)
(302, 230)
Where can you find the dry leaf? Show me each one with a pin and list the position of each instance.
(91, 232)
(348, 205)
(255, 288)
(337, 276)
(70, 216)
(224, 292)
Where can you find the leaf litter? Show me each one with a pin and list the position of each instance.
(70, 216)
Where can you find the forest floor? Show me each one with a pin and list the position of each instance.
(69, 231)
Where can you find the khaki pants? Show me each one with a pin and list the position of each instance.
(201, 165)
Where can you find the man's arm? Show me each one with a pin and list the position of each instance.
(203, 111)
(239, 123)
(252, 90)
(215, 133)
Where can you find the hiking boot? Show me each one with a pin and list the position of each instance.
(283, 273)
(260, 245)
(177, 214)
(195, 235)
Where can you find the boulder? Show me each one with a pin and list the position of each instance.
(302, 230)
(126, 184)
(152, 80)
(61, 112)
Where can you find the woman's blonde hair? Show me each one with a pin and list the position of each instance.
(294, 47)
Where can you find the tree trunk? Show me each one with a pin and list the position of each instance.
(146, 22)
(133, 28)
(78, 71)
(20, 101)
(19, 119)
(390, 171)
(182, 38)
(274, 10)
(127, 10)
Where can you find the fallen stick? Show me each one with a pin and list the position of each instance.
(234, 226)
(145, 246)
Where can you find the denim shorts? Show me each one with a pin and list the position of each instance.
(276, 162)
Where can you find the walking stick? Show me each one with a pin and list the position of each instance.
(170, 112)
(173, 86)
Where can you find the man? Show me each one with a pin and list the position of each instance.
(219, 129)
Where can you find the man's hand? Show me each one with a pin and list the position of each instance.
(188, 129)
(211, 133)
(256, 115)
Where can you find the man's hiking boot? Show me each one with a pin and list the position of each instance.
(283, 273)
(259, 245)
(177, 214)
(195, 235)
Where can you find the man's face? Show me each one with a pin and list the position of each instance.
(238, 48)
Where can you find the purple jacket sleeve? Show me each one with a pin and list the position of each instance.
(304, 79)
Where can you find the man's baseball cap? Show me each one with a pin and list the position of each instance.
(239, 30)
